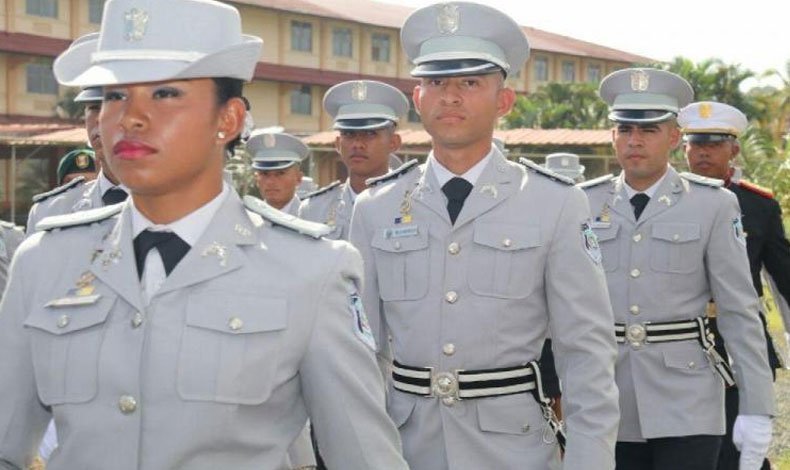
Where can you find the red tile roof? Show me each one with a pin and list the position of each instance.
(28, 130)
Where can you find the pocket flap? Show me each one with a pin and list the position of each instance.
(607, 233)
(685, 359)
(507, 237)
(401, 238)
(508, 416)
(65, 320)
(236, 313)
(676, 233)
(400, 407)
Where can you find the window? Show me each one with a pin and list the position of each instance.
(47, 8)
(40, 78)
(301, 36)
(341, 42)
(593, 73)
(568, 71)
(95, 11)
(541, 69)
(380, 47)
(302, 100)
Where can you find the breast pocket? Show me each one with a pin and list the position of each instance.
(610, 249)
(66, 344)
(676, 248)
(505, 260)
(230, 347)
(402, 263)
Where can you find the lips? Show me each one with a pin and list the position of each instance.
(132, 150)
(450, 117)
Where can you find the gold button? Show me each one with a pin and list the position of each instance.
(451, 297)
(507, 242)
(635, 273)
(127, 404)
(676, 237)
(397, 245)
(637, 238)
(448, 349)
(454, 248)
(525, 428)
(235, 324)
(634, 309)
(448, 401)
(63, 321)
(692, 364)
(137, 320)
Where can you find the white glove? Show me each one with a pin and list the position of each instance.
(751, 435)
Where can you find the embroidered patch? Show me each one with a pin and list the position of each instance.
(737, 230)
(361, 326)
(402, 232)
(590, 243)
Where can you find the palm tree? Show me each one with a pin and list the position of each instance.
(560, 106)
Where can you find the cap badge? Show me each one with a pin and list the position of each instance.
(705, 110)
(359, 91)
(135, 24)
(640, 80)
(565, 161)
(269, 140)
(82, 161)
(449, 18)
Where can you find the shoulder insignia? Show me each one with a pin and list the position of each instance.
(755, 188)
(394, 174)
(702, 180)
(79, 218)
(596, 181)
(543, 171)
(59, 190)
(323, 190)
(276, 217)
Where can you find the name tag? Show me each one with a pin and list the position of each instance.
(402, 232)
(601, 225)
(74, 301)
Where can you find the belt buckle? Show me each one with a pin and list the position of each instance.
(444, 385)
(636, 335)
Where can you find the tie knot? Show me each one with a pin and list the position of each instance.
(170, 246)
(457, 189)
(639, 201)
(114, 196)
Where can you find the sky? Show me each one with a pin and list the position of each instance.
(753, 33)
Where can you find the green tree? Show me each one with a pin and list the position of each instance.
(559, 106)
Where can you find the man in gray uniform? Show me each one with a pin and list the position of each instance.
(366, 115)
(670, 243)
(470, 261)
(276, 158)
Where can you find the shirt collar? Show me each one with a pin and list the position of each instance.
(649, 191)
(443, 175)
(190, 227)
(105, 184)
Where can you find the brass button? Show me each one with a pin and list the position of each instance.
(448, 401)
(454, 248)
(676, 237)
(692, 364)
(525, 428)
(637, 238)
(635, 273)
(397, 245)
(634, 309)
(448, 349)
(507, 243)
(137, 320)
(63, 321)
(235, 324)
(127, 404)
(451, 297)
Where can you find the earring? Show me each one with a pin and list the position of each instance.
(221, 135)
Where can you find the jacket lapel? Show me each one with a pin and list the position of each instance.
(619, 201)
(428, 193)
(665, 196)
(494, 186)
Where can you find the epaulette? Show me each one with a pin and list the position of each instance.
(76, 219)
(543, 171)
(595, 181)
(755, 188)
(59, 190)
(394, 174)
(6, 224)
(323, 190)
(305, 227)
(702, 180)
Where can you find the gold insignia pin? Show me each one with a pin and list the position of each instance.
(359, 91)
(135, 24)
(85, 284)
(242, 230)
(640, 80)
(705, 110)
(604, 215)
(405, 209)
(449, 18)
(82, 161)
(269, 140)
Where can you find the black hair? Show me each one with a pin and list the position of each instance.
(228, 88)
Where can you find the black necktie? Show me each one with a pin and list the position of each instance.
(456, 190)
(639, 201)
(170, 246)
(114, 196)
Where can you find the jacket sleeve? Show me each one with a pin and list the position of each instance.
(776, 253)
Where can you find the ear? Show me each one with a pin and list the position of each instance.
(231, 121)
(395, 142)
(736, 150)
(614, 136)
(506, 98)
(674, 137)
(337, 143)
(415, 96)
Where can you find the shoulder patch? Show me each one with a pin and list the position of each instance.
(548, 173)
(323, 190)
(304, 227)
(59, 190)
(76, 219)
(394, 174)
(756, 188)
(702, 180)
(596, 181)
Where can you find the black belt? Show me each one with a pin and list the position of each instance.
(639, 334)
(482, 383)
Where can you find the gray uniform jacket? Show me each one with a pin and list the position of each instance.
(252, 333)
(333, 206)
(10, 238)
(80, 197)
(483, 294)
(684, 251)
